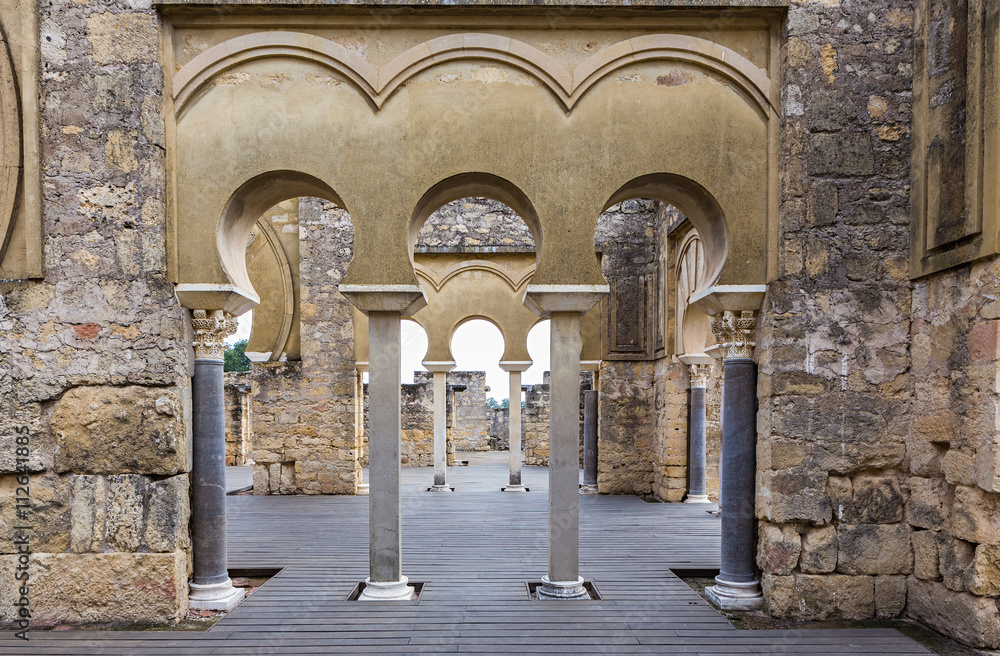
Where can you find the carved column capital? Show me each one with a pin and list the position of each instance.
(699, 374)
(211, 327)
(735, 334)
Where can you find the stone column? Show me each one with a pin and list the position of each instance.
(514, 370)
(736, 587)
(440, 371)
(699, 374)
(210, 587)
(385, 580)
(361, 489)
(589, 442)
(564, 580)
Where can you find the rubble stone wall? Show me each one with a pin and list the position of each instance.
(303, 412)
(95, 356)
(238, 432)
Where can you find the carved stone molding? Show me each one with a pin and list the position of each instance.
(210, 332)
(735, 334)
(699, 374)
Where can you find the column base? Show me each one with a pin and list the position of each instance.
(440, 488)
(588, 489)
(514, 488)
(697, 498)
(361, 490)
(387, 591)
(562, 589)
(727, 595)
(214, 596)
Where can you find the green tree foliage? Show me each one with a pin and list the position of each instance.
(492, 403)
(234, 358)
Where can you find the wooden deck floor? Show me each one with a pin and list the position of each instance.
(473, 549)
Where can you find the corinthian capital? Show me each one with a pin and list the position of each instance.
(210, 331)
(735, 334)
(699, 374)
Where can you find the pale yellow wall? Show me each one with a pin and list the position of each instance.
(568, 124)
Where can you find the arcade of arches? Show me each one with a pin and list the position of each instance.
(769, 229)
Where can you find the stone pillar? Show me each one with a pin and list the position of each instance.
(564, 580)
(385, 580)
(589, 442)
(736, 586)
(699, 374)
(440, 371)
(514, 370)
(210, 587)
(361, 489)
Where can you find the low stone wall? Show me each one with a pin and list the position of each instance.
(536, 423)
(417, 415)
(239, 429)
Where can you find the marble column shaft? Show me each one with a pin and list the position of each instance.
(440, 430)
(514, 441)
(384, 428)
(211, 588)
(697, 492)
(589, 442)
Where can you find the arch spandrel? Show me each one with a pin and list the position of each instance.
(568, 164)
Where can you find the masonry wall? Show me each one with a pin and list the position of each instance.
(835, 385)
(238, 430)
(95, 356)
(303, 412)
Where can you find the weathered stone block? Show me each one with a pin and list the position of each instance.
(971, 619)
(809, 597)
(874, 549)
(48, 511)
(925, 555)
(778, 549)
(126, 37)
(954, 560)
(976, 515)
(797, 496)
(106, 587)
(984, 574)
(124, 512)
(819, 550)
(926, 506)
(115, 430)
(841, 154)
(878, 499)
(90, 496)
(890, 596)
(169, 510)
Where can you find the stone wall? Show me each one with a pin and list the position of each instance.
(536, 423)
(417, 414)
(952, 468)
(474, 225)
(468, 428)
(239, 433)
(833, 343)
(303, 412)
(627, 427)
(95, 356)
(498, 422)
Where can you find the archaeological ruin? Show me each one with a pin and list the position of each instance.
(763, 237)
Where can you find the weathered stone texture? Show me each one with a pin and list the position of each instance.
(536, 423)
(626, 428)
(303, 412)
(239, 430)
(834, 337)
(474, 224)
(102, 430)
(104, 587)
(966, 617)
(94, 357)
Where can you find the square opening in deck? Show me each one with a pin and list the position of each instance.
(418, 589)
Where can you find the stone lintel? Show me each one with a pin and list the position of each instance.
(729, 298)
(543, 300)
(405, 299)
(361, 366)
(438, 366)
(511, 366)
(590, 365)
(211, 296)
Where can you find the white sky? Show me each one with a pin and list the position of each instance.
(476, 346)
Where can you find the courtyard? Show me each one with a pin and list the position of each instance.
(473, 550)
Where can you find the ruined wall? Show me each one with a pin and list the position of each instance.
(238, 420)
(468, 429)
(95, 356)
(627, 428)
(303, 412)
(536, 423)
(474, 225)
(833, 343)
(498, 421)
(953, 454)
(417, 414)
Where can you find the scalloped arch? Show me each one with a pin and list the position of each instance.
(515, 281)
(378, 85)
